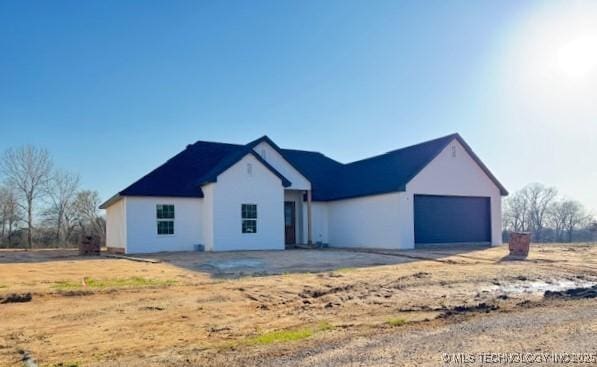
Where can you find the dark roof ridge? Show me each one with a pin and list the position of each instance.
(453, 135)
(311, 152)
(213, 142)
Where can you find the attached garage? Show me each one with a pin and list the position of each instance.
(452, 219)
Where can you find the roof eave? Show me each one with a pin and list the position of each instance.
(401, 188)
(285, 182)
(113, 200)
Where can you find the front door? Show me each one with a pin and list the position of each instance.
(289, 222)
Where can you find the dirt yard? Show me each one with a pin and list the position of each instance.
(295, 308)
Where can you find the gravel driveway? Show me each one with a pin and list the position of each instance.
(549, 327)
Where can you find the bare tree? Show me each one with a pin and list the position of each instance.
(86, 206)
(62, 190)
(536, 208)
(557, 218)
(9, 213)
(27, 169)
(565, 216)
(516, 213)
(593, 228)
(71, 222)
(575, 216)
(538, 200)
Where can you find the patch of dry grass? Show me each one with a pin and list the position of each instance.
(345, 270)
(65, 364)
(325, 326)
(281, 336)
(396, 321)
(132, 282)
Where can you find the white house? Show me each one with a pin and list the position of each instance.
(261, 197)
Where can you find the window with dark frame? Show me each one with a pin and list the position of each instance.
(165, 219)
(249, 218)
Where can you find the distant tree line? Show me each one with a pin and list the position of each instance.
(41, 206)
(539, 209)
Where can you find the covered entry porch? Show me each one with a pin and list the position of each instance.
(297, 218)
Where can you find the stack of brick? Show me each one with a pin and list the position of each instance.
(519, 244)
(90, 245)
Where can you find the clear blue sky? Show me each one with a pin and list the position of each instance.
(114, 88)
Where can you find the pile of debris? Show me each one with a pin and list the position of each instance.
(15, 298)
(90, 245)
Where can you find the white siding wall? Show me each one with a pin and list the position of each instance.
(141, 224)
(448, 175)
(271, 156)
(235, 187)
(370, 221)
(115, 224)
(207, 219)
(319, 212)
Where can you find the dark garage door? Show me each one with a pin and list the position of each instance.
(448, 219)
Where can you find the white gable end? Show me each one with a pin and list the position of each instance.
(453, 172)
(271, 156)
(248, 181)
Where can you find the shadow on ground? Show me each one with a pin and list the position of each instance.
(15, 256)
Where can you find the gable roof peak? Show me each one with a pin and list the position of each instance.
(445, 138)
(261, 139)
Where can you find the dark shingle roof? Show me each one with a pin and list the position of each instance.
(387, 172)
(202, 162)
(183, 174)
(384, 173)
(318, 169)
(177, 176)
